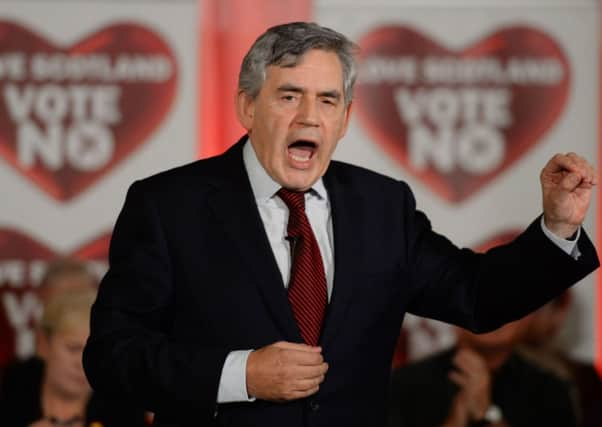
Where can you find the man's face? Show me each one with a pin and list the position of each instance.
(297, 119)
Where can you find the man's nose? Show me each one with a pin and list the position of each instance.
(307, 114)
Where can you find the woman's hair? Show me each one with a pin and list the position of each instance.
(67, 310)
(63, 269)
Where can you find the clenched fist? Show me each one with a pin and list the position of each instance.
(566, 183)
(285, 371)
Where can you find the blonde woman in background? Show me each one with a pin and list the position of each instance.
(61, 275)
(58, 394)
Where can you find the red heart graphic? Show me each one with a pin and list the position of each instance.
(22, 261)
(69, 115)
(456, 120)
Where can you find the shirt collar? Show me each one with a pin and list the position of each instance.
(262, 184)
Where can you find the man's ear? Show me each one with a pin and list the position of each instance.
(346, 119)
(245, 109)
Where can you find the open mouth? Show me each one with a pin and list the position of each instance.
(302, 150)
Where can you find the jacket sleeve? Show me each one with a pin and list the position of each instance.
(479, 291)
(129, 352)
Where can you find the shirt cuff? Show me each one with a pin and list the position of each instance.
(233, 381)
(568, 246)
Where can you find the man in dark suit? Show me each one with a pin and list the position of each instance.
(220, 309)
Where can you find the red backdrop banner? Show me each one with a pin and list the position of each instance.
(229, 27)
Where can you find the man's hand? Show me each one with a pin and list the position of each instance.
(566, 183)
(285, 371)
(472, 376)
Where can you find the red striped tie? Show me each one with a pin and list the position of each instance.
(307, 286)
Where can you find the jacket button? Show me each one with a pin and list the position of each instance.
(314, 406)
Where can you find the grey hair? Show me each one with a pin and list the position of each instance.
(284, 45)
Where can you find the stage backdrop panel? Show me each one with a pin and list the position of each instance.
(467, 101)
(93, 95)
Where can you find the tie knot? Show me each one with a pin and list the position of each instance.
(295, 200)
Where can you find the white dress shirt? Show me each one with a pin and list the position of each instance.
(274, 215)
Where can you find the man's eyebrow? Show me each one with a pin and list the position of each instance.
(287, 87)
(334, 94)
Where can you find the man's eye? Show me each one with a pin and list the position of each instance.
(289, 97)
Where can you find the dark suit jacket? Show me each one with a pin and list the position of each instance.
(192, 277)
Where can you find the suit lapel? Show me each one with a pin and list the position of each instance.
(234, 204)
(347, 220)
